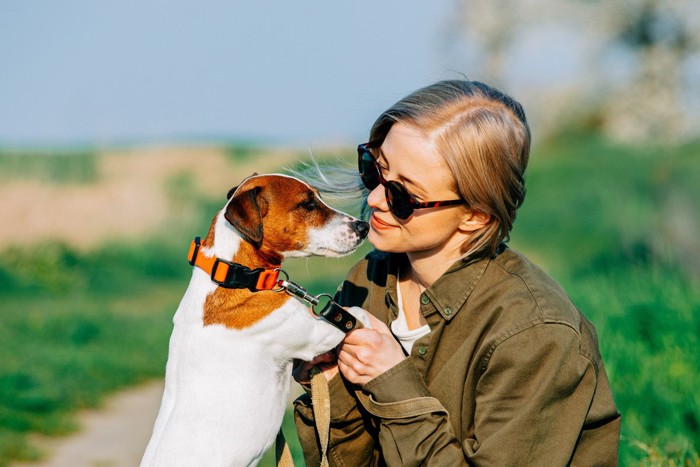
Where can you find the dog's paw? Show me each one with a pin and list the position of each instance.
(361, 316)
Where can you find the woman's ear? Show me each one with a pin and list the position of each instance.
(474, 220)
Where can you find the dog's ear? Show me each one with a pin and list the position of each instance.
(245, 211)
(233, 190)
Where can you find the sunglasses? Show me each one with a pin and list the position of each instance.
(401, 202)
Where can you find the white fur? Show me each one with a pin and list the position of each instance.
(226, 390)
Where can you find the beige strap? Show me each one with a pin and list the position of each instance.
(321, 402)
(401, 409)
(283, 455)
(320, 397)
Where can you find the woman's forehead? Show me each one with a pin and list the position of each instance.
(411, 154)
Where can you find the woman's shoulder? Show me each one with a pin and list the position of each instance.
(523, 278)
(533, 298)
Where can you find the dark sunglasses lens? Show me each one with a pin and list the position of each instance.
(368, 170)
(399, 200)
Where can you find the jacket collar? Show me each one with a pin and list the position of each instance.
(448, 294)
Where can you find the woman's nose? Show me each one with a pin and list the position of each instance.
(377, 199)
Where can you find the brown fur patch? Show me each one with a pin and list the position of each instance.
(240, 308)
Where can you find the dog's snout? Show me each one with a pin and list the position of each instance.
(362, 228)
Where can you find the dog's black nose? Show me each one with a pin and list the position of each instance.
(362, 228)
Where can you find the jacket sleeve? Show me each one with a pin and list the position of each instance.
(531, 403)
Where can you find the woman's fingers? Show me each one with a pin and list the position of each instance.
(367, 353)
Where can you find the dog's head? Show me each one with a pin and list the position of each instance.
(284, 215)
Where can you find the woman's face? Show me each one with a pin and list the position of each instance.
(410, 158)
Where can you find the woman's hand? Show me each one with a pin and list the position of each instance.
(365, 353)
(327, 363)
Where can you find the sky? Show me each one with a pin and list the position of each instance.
(129, 71)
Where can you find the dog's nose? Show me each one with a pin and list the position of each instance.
(362, 228)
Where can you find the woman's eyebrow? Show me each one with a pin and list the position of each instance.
(418, 189)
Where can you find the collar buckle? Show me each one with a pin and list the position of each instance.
(235, 276)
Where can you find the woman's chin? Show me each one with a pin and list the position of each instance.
(380, 241)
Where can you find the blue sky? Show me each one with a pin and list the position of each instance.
(305, 72)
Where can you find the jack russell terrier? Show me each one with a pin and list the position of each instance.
(228, 373)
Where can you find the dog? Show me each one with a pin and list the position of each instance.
(228, 372)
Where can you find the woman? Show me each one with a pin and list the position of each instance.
(457, 315)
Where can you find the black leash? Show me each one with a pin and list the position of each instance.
(331, 311)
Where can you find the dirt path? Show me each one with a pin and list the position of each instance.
(114, 436)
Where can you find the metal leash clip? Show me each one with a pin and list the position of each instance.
(333, 313)
(295, 290)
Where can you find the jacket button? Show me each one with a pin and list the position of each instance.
(448, 311)
(422, 350)
(424, 299)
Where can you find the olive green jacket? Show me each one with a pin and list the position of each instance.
(509, 356)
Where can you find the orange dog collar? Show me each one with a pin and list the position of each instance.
(232, 275)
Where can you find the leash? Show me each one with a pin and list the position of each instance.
(283, 456)
(321, 405)
(337, 316)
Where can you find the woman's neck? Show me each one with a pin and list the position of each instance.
(425, 269)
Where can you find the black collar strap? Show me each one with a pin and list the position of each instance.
(232, 275)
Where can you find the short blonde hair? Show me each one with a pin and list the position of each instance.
(484, 137)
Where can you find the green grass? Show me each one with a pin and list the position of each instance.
(76, 327)
(646, 315)
(606, 221)
(59, 167)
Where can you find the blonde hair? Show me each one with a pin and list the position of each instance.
(484, 137)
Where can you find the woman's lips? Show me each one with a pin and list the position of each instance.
(378, 224)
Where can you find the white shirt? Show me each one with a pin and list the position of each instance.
(399, 327)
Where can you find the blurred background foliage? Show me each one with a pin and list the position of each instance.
(630, 67)
(78, 324)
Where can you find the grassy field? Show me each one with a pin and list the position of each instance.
(616, 226)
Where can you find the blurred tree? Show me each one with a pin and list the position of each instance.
(640, 60)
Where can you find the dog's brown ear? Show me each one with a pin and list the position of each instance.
(233, 190)
(245, 211)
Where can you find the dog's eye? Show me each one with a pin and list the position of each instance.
(308, 204)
